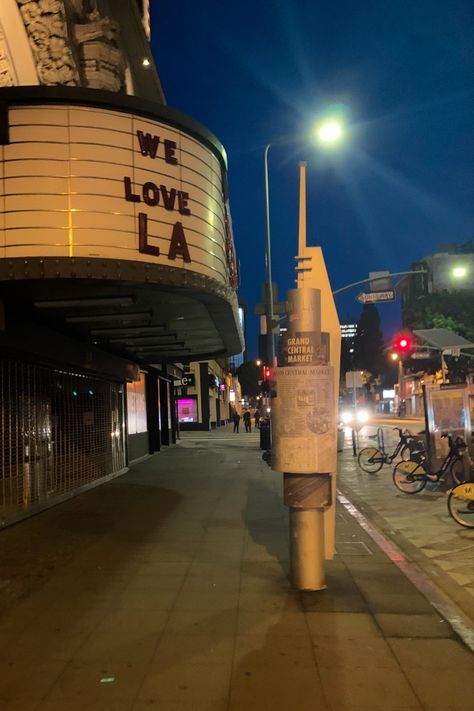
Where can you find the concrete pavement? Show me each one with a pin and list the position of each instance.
(419, 524)
(167, 588)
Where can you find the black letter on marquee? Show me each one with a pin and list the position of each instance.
(152, 199)
(143, 245)
(183, 203)
(148, 144)
(178, 245)
(170, 147)
(131, 197)
(168, 197)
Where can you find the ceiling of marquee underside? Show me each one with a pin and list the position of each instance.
(144, 324)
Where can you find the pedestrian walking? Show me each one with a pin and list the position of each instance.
(257, 419)
(236, 421)
(247, 421)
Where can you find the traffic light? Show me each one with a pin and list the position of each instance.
(267, 375)
(403, 343)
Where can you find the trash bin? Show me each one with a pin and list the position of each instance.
(265, 436)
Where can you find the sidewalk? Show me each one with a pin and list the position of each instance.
(167, 588)
(420, 524)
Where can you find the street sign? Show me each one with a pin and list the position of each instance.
(305, 348)
(374, 296)
(379, 281)
(354, 379)
(420, 355)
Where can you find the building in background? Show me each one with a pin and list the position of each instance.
(349, 332)
(111, 270)
(451, 270)
(207, 395)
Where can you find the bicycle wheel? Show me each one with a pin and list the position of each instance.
(457, 471)
(409, 477)
(370, 459)
(461, 504)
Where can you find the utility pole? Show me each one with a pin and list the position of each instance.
(269, 299)
(304, 412)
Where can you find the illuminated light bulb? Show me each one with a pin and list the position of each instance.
(330, 132)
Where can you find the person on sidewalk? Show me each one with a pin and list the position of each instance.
(236, 421)
(247, 421)
(257, 419)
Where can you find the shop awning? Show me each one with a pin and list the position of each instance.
(443, 338)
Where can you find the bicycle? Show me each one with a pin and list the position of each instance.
(461, 504)
(372, 459)
(411, 477)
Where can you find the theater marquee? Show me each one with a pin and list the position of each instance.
(88, 182)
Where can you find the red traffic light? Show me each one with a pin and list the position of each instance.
(267, 372)
(403, 343)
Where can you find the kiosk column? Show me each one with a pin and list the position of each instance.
(304, 413)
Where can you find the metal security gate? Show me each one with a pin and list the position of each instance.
(59, 431)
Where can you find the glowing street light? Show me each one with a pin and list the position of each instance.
(459, 272)
(329, 131)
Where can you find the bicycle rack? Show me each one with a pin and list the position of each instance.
(381, 440)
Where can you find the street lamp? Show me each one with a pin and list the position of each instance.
(327, 132)
(459, 272)
(268, 257)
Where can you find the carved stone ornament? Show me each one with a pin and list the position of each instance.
(46, 27)
(102, 61)
(7, 72)
(230, 253)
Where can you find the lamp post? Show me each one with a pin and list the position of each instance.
(329, 131)
(268, 257)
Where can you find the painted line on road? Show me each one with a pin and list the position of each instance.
(460, 623)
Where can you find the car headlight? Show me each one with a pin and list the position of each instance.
(362, 416)
(347, 417)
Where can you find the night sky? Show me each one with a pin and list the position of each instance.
(401, 71)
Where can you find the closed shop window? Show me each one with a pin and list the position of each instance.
(136, 406)
(187, 409)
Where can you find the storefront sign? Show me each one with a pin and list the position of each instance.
(96, 183)
(153, 195)
(305, 348)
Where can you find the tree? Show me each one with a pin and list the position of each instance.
(368, 343)
(347, 357)
(453, 310)
(249, 374)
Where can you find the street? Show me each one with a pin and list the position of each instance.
(168, 588)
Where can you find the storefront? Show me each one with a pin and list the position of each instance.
(116, 250)
(203, 396)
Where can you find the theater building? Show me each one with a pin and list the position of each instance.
(117, 264)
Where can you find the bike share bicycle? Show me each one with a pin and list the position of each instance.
(372, 459)
(411, 477)
(461, 504)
